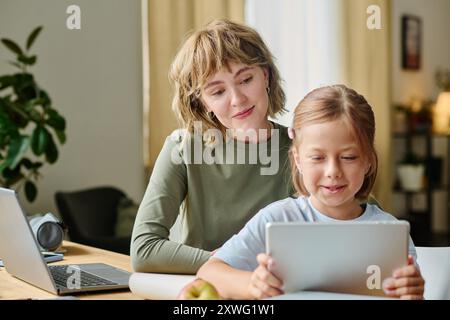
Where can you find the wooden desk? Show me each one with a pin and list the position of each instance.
(13, 288)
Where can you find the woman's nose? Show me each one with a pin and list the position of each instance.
(238, 98)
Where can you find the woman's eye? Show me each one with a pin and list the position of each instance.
(247, 80)
(218, 92)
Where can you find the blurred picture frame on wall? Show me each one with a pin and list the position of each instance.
(411, 42)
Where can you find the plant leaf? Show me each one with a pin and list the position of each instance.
(11, 45)
(51, 152)
(25, 87)
(55, 120)
(27, 163)
(33, 35)
(30, 191)
(7, 81)
(61, 136)
(36, 165)
(27, 60)
(39, 140)
(17, 148)
(45, 98)
(4, 165)
(32, 110)
(12, 176)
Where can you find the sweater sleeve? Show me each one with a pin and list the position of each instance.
(151, 249)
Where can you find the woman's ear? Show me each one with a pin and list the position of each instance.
(200, 99)
(266, 75)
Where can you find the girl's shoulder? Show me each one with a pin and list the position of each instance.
(374, 212)
(286, 210)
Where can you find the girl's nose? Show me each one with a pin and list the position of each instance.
(333, 169)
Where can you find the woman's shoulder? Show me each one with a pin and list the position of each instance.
(281, 128)
(177, 136)
(282, 134)
(172, 148)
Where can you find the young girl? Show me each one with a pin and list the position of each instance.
(334, 165)
(224, 80)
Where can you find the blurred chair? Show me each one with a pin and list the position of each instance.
(434, 263)
(91, 215)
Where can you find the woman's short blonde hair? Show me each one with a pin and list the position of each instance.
(207, 51)
(338, 102)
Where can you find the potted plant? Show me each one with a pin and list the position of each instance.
(29, 125)
(411, 172)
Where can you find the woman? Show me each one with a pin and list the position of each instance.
(227, 163)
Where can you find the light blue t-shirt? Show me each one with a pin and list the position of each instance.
(241, 250)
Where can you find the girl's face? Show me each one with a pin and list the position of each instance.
(238, 96)
(332, 168)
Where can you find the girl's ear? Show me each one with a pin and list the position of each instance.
(368, 167)
(296, 158)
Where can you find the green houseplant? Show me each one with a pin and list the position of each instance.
(29, 125)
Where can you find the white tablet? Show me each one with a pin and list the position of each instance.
(347, 257)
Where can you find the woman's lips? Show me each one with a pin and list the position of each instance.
(244, 114)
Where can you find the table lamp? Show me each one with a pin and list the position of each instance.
(441, 121)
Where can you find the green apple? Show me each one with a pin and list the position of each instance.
(198, 289)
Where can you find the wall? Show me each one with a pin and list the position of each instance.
(420, 84)
(435, 16)
(93, 76)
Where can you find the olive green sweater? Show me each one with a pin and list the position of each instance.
(215, 199)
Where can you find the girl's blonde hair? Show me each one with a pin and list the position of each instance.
(338, 102)
(207, 51)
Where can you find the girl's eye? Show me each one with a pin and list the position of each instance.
(316, 158)
(247, 80)
(349, 158)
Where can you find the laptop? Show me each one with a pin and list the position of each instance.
(22, 258)
(344, 257)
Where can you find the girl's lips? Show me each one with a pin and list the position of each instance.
(244, 114)
(334, 189)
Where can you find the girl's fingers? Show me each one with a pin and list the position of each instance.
(263, 258)
(264, 290)
(263, 271)
(408, 271)
(407, 286)
(405, 291)
(408, 282)
(264, 275)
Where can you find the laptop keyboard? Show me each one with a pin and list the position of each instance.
(60, 275)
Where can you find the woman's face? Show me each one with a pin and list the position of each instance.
(237, 95)
(332, 166)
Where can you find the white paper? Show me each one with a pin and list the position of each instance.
(158, 286)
